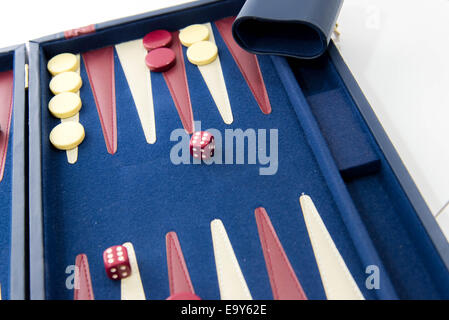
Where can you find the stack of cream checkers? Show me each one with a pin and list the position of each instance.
(66, 104)
(200, 50)
(203, 52)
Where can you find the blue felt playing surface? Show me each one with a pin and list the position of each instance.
(354, 155)
(348, 140)
(138, 195)
(6, 201)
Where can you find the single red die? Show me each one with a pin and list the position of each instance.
(202, 145)
(116, 262)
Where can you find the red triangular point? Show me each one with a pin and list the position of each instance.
(176, 80)
(83, 283)
(178, 275)
(247, 63)
(100, 70)
(283, 280)
(6, 103)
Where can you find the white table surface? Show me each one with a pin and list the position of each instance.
(398, 51)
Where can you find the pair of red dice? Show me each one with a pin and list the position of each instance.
(202, 145)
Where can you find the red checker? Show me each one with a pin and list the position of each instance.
(161, 59)
(157, 39)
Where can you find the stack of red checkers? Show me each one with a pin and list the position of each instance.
(160, 58)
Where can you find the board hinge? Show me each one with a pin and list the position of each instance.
(27, 75)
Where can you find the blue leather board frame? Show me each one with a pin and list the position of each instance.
(12, 187)
(339, 203)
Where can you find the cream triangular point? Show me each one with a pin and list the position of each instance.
(231, 282)
(213, 76)
(131, 287)
(337, 281)
(132, 58)
(72, 155)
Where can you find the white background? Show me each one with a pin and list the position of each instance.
(398, 51)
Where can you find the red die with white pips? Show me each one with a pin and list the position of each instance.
(116, 262)
(202, 145)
